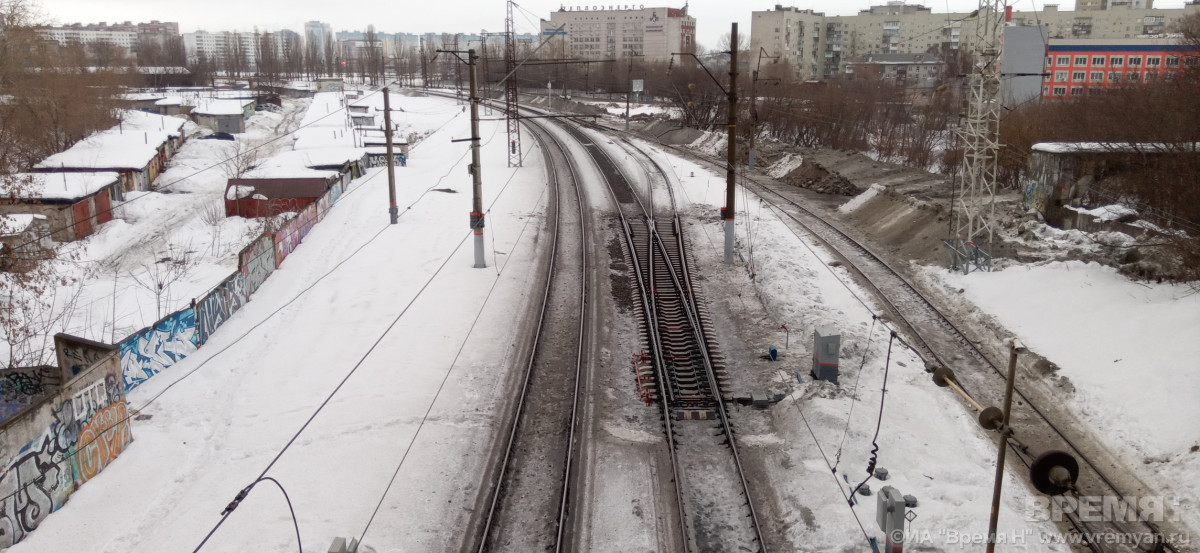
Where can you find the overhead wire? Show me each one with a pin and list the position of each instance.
(433, 401)
(136, 411)
(245, 491)
(832, 471)
(854, 391)
(879, 422)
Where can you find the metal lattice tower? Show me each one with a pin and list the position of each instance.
(510, 91)
(971, 244)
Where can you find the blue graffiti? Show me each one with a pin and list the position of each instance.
(150, 351)
(219, 306)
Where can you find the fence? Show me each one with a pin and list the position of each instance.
(58, 443)
(60, 435)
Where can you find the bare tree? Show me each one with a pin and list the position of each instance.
(161, 272)
(240, 157)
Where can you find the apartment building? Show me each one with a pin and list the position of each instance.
(599, 32)
(127, 35)
(224, 47)
(818, 46)
(1078, 67)
(315, 32)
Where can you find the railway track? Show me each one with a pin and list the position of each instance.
(942, 343)
(529, 500)
(684, 363)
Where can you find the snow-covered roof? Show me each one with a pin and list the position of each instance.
(322, 157)
(323, 137)
(222, 107)
(170, 101)
(269, 170)
(301, 160)
(141, 96)
(130, 145)
(1113, 147)
(62, 186)
(16, 223)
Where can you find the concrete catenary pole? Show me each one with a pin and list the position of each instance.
(1014, 347)
(391, 163)
(730, 175)
(476, 176)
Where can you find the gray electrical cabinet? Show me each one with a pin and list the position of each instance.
(889, 513)
(827, 345)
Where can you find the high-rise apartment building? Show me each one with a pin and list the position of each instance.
(227, 50)
(316, 32)
(596, 33)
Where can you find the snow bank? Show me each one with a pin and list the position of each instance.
(1128, 348)
(858, 201)
(785, 165)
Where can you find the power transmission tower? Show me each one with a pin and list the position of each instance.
(971, 244)
(510, 91)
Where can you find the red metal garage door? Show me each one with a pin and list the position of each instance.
(103, 207)
(83, 219)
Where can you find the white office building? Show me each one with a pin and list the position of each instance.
(590, 32)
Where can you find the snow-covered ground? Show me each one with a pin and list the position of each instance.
(177, 236)
(434, 373)
(931, 446)
(433, 378)
(1129, 351)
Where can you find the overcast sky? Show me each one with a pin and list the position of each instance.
(713, 17)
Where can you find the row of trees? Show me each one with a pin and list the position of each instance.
(1150, 128)
(275, 57)
(53, 97)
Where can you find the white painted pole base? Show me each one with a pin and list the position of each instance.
(480, 263)
(729, 241)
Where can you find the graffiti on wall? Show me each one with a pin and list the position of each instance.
(323, 205)
(306, 219)
(380, 160)
(85, 433)
(335, 193)
(219, 305)
(257, 262)
(95, 396)
(286, 240)
(76, 354)
(21, 387)
(101, 440)
(148, 352)
(1034, 196)
(38, 479)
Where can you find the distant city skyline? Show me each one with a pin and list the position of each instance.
(713, 17)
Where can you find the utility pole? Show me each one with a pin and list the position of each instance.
(457, 71)
(754, 101)
(393, 210)
(476, 176)
(424, 66)
(1014, 347)
(629, 77)
(730, 175)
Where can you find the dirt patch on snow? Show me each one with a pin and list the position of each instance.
(814, 176)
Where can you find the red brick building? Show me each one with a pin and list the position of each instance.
(1078, 67)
